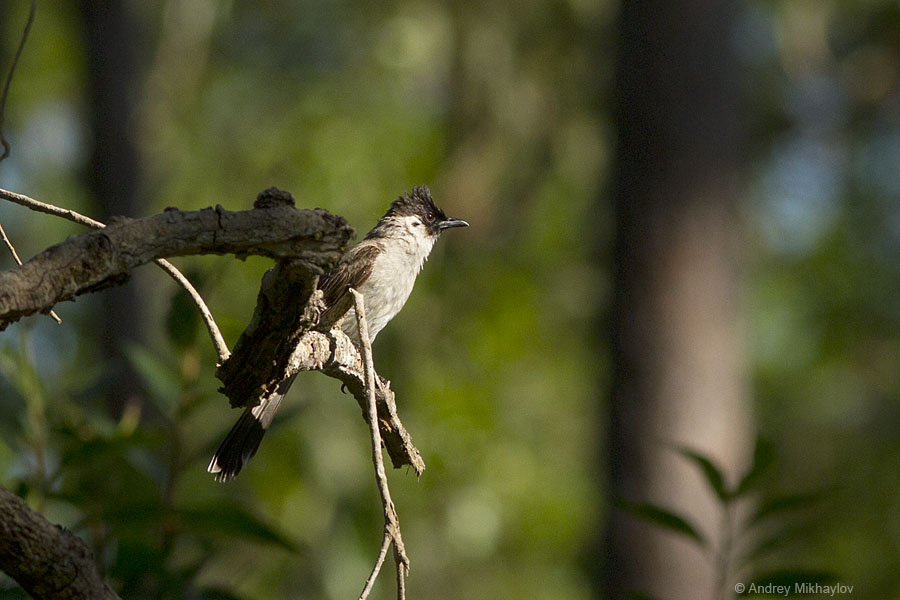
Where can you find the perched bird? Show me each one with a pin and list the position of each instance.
(383, 268)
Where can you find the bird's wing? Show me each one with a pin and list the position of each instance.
(351, 272)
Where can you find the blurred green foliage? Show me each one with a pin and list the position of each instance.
(498, 359)
(753, 525)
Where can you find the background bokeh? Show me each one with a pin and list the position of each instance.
(499, 360)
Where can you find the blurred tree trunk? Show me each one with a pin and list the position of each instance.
(677, 366)
(114, 174)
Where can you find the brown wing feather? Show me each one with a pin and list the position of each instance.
(351, 272)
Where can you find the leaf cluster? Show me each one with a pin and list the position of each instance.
(742, 549)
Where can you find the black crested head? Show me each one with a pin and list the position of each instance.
(419, 203)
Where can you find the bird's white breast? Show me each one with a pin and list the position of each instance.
(393, 276)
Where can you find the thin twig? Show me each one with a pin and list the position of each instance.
(385, 544)
(402, 570)
(391, 522)
(12, 249)
(15, 255)
(9, 76)
(214, 332)
(37, 205)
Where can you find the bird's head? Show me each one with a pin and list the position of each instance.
(417, 214)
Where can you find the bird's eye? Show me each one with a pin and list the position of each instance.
(429, 217)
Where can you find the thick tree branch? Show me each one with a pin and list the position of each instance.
(96, 260)
(169, 268)
(49, 562)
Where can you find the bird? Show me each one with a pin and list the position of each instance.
(383, 268)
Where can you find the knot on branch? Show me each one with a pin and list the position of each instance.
(272, 197)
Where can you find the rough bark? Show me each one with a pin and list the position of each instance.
(345, 364)
(93, 261)
(49, 562)
(677, 368)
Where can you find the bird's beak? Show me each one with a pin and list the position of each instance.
(451, 222)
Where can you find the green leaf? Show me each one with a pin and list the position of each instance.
(662, 517)
(785, 503)
(778, 540)
(763, 457)
(711, 473)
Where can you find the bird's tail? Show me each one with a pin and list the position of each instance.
(242, 441)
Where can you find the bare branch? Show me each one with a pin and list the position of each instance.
(10, 247)
(205, 314)
(379, 561)
(216, 335)
(38, 206)
(9, 76)
(97, 260)
(49, 562)
(391, 521)
(335, 355)
(402, 571)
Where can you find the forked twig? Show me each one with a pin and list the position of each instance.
(391, 522)
(216, 335)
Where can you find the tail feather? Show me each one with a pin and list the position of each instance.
(243, 440)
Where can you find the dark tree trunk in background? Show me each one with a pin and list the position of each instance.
(677, 368)
(114, 174)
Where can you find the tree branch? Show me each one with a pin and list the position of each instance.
(213, 329)
(257, 367)
(391, 521)
(170, 269)
(93, 261)
(49, 562)
(15, 255)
